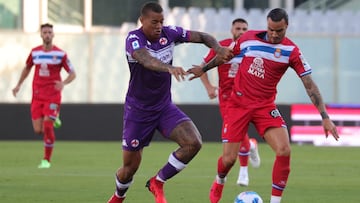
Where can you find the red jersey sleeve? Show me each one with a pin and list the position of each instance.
(299, 64)
(67, 64)
(29, 61)
(211, 54)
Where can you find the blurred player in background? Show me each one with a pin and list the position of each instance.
(266, 57)
(226, 75)
(47, 85)
(148, 104)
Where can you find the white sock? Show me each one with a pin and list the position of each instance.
(220, 180)
(275, 199)
(243, 171)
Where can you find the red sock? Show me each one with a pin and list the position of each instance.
(244, 151)
(49, 139)
(222, 169)
(280, 174)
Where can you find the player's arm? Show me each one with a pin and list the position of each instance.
(211, 90)
(144, 58)
(24, 74)
(315, 96)
(200, 37)
(198, 71)
(59, 85)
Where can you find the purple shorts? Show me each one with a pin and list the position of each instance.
(139, 126)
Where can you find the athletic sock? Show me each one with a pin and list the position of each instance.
(280, 175)
(171, 168)
(121, 188)
(49, 139)
(222, 170)
(244, 152)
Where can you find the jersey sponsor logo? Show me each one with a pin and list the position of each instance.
(257, 68)
(275, 113)
(164, 55)
(135, 143)
(135, 44)
(163, 41)
(44, 70)
(233, 70)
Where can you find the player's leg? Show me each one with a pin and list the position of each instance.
(270, 124)
(136, 135)
(234, 129)
(37, 118)
(278, 139)
(188, 138)
(124, 175)
(50, 111)
(243, 155)
(178, 127)
(224, 164)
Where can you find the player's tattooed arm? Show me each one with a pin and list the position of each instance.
(208, 40)
(150, 62)
(315, 96)
(224, 53)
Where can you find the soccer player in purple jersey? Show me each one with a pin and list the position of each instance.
(148, 105)
(267, 54)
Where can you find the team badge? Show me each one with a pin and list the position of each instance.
(277, 53)
(135, 143)
(163, 41)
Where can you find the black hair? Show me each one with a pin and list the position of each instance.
(46, 25)
(277, 14)
(151, 6)
(239, 20)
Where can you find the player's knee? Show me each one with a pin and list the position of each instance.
(229, 161)
(38, 131)
(283, 150)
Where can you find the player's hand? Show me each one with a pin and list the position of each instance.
(59, 85)
(212, 92)
(329, 126)
(178, 72)
(225, 53)
(15, 90)
(196, 71)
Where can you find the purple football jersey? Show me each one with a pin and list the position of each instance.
(150, 90)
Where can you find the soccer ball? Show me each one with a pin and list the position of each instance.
(248, 197)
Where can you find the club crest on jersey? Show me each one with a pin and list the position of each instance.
(277, 53)
(135, 143)
(163, 41)
(54, 58)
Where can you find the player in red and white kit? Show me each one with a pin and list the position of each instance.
(266, 57)
(226, 75)
(47, 85)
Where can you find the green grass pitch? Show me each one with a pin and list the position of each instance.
(83, 172)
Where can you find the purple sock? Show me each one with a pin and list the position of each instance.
(171, 168)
